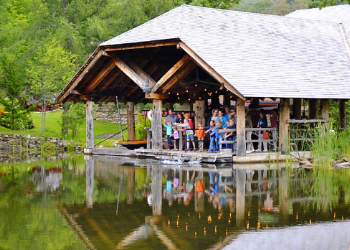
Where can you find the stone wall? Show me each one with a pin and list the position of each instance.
(26, 143)
(109, 113)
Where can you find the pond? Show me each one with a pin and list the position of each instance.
(127, 203)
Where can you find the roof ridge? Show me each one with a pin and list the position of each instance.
(141, 25)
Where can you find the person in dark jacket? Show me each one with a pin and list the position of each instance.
(262, 123)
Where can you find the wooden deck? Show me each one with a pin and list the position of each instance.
(202, 157)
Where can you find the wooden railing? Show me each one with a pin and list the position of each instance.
(149, 138)
(254, 131)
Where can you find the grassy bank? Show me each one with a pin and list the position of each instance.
(330, 146)
(53, 129)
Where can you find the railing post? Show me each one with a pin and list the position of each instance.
(180, 140)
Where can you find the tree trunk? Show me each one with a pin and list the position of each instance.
(65, 122)
(43, 116)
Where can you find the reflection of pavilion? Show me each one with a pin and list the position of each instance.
(138, 225)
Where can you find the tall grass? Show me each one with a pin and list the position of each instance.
(329, 146)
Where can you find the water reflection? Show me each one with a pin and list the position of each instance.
(116, 203)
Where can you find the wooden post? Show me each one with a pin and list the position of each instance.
(313, 108)
(89, 171)
(324, 105)
(90, 144)
(297, 108)
(325, 109)
(283, 184)
(148, 138)
(157, 143)
(199, 109)
(240, 197)
(156, 191)
(180, 138)
(131, 121)
(241, 145)
(342, 114)
(283, 128)
(131, 184)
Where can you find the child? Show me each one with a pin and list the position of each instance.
(169, 130)
(216, 135)
(230, 136)
(210, 129)
(200, 136)
(189, 133)
(175, 135)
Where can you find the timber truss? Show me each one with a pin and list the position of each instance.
(167, 70)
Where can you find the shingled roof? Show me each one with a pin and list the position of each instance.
(339, 14)
(259, 55)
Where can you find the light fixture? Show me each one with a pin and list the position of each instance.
(196, 85)
(168, 92)
(221, 86)
(205, 89)
(186, 90)
(216, 91)
(177, 93)
(200, 98)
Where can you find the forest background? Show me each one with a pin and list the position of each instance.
(44, 42)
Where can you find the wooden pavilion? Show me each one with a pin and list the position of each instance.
(194, 54)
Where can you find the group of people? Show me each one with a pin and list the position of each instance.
(219, 195)
(219, 119)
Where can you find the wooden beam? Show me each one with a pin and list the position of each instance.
(141, 73)
(80, 75)
(241, 143)
(110, 80)
(171, 72)
(105, 71)
(142, 64)
(143, 46)
(129, 72)
(109, 99)
(188, 67)
(210, 70)
(157, 96)
(85, 98)
(74, 92)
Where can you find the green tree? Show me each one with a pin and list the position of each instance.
(16, 114)
(49, 71)
(75, 117)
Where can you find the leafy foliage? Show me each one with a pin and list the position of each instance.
(16, 115)
(76, 117)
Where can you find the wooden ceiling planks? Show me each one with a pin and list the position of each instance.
(103, 73)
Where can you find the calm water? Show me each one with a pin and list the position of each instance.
(122, 203)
